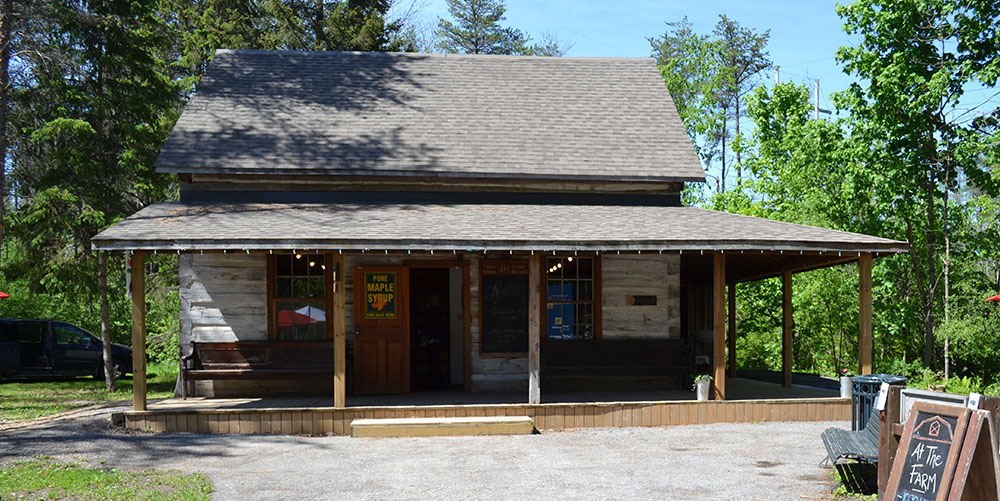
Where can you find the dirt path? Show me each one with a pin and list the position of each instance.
(769, 461)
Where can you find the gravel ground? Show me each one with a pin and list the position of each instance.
(767, 461)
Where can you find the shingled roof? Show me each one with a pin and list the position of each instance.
(270, 112)
(182, 226)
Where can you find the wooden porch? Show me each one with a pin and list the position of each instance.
(753, 401)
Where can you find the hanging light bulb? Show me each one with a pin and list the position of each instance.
(570, 259)
(312, 263)
(298, 256)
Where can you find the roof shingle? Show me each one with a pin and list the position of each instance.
(431, 115)
(180, 226)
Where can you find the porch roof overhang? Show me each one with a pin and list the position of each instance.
(178, 226)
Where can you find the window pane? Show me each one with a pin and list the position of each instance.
(300, 265)
(300, 287)
(316, 287)
(569, 267)
(555, 290)
(586, 290)
(283, 287)
(585, 267)
(71, 336)
(283, 265)
(314, 264)
(30, 332)
(569, 291)
(300, 321)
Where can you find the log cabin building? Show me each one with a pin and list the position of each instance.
(390, 223)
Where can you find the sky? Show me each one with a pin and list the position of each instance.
(805, 34)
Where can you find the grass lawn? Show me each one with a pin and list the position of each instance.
(42, 478)
(30, 398)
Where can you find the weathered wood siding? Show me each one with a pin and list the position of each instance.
(222, 298)
(641, 275)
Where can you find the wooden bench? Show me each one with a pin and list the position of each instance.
(615, 364)
(853, 452)
(255, 360)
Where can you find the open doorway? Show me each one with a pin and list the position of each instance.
(430, 329)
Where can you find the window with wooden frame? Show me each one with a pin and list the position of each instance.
(299, 289)
(572, 297)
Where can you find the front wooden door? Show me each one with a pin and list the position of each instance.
(382, 329)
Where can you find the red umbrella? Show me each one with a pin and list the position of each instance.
(288, 319)
(994, 298)
(4, 295)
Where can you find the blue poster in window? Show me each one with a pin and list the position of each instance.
(561, 316)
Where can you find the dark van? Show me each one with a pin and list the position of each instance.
(52, 348)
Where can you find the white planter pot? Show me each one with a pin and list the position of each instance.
(701, 389)
(845, 387)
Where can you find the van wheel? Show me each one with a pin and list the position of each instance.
(118, 367)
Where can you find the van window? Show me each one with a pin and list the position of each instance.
(8, 332)
(31, 332)
(70, 335)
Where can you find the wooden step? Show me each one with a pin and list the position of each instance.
(436, 427)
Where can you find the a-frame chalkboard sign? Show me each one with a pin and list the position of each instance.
(927, 455)
(977, 474)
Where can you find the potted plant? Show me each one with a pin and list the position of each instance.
(701, 385)
(845, 383)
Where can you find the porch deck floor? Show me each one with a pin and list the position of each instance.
(737, 389)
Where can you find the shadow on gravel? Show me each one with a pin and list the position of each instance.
(96, 439)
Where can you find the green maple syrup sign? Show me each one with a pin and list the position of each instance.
(380, 295)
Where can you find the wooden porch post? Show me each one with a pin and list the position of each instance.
(719, 324)
(865, 314)
(139, 331)
(732, 329)
(534, 329)
(786, 328)
(339, 334)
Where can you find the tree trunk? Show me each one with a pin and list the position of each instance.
(722, 176)
(929, 358)
(6, 21)
(102, 286)
(739, 164)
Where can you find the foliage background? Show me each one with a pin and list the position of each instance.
(95, 86)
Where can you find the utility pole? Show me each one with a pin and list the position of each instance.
(816, 109)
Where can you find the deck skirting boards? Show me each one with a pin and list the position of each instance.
(333, 421)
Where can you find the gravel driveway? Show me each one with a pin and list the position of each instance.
(767, 461)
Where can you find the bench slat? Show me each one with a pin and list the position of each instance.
(257, 360)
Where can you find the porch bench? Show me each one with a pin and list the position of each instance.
(255, 360)
(861, 445)
(855, 454)
(614, 364)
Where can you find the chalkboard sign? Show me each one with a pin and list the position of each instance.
(503, 308)
(977, 475)
(928, 452)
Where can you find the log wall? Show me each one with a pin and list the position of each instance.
(647, 275)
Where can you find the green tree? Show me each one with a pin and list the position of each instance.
(476, 30)
(743, 54)
(915, 61)
(708, 76)
(690, 65)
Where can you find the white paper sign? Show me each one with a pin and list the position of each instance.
(974, 400)
(883, 395)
